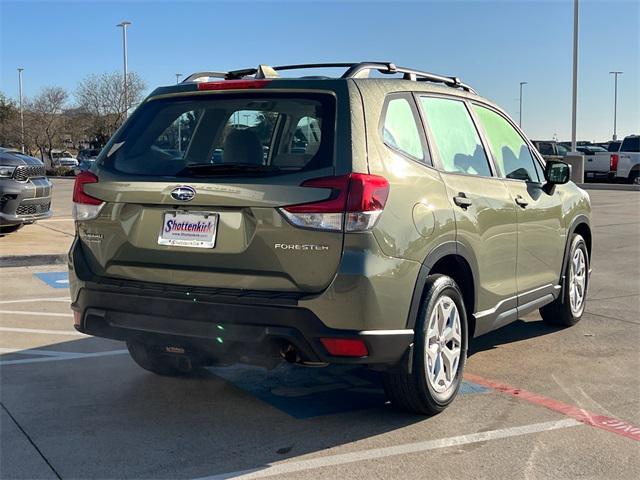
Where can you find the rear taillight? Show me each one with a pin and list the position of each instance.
(85, 207)
(613, 164)
(355, 203)
(233, 85)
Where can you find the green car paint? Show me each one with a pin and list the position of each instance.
(506, 237)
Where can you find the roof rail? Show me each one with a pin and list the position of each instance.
(354, 70)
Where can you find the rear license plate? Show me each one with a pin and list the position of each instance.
(189, 229)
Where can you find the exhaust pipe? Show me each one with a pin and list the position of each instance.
(290, 354)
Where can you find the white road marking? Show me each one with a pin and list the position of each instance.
(29, 300)
(46, 332)
(44, 314)
(377, 453)
(45, 353)
(74, 356)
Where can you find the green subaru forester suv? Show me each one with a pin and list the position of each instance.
(382, 218)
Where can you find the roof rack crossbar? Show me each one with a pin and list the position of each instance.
(235, 74)
(194, 76)
(354, 70)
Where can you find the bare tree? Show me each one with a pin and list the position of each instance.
(9, 122)
(102, 96)
(44, 120)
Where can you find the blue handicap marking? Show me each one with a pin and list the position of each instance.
(54, 279)
(311, 392)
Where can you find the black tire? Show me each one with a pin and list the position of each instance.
(413, 392)
(152, 358)
(6, 229)
(634, 177)
(560, 312)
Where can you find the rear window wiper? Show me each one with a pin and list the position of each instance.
(216, 169)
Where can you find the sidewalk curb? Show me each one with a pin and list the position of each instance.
(32, 260)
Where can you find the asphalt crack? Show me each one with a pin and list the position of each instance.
(31, 441)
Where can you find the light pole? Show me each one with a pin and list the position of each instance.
(574, 108)
(178, 75)
(124, 25)
(20, 70)
(520, 122)
(615, 103)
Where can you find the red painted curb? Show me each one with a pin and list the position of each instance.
(609, 424)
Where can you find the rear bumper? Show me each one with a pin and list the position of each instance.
(223, 325)
(227, 331)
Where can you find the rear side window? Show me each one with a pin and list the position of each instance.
(455, 136)
(510, 152)
(227, 134)
(400, 130)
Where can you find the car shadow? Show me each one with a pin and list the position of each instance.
(105, 417)
(513, 332)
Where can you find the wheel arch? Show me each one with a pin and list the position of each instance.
(456, 261)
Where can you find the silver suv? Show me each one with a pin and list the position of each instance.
(25, 192)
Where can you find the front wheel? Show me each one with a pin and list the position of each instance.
(439, 355)
(567, 309)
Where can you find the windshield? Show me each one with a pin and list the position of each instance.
(227, 134)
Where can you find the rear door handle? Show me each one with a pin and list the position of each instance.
(462, 201)
(521, 201)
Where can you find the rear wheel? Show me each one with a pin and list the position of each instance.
(634, 177)
(440, 352)
(152, 358)
(567, 310)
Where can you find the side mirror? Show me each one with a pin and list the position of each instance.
(557, 172)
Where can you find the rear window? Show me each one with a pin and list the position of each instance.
(614, 146)
(630, 144)
(228, 134)
(545, 148)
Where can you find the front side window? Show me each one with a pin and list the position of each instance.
(455, 136)
(511, 153)
(400, 130)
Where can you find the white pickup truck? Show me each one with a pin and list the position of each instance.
(598, 161)
(626, 162)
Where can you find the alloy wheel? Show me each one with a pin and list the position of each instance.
(577, 280)
(443, 344)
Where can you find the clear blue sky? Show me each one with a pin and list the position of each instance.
(491, 45)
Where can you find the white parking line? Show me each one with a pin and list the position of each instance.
(44, 314)
(29, 300)
(377, 453)
(46, 332)
(73, 356)
(45, 353)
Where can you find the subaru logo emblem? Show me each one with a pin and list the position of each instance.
(183, 193)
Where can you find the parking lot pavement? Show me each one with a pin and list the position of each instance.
(539, 402)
